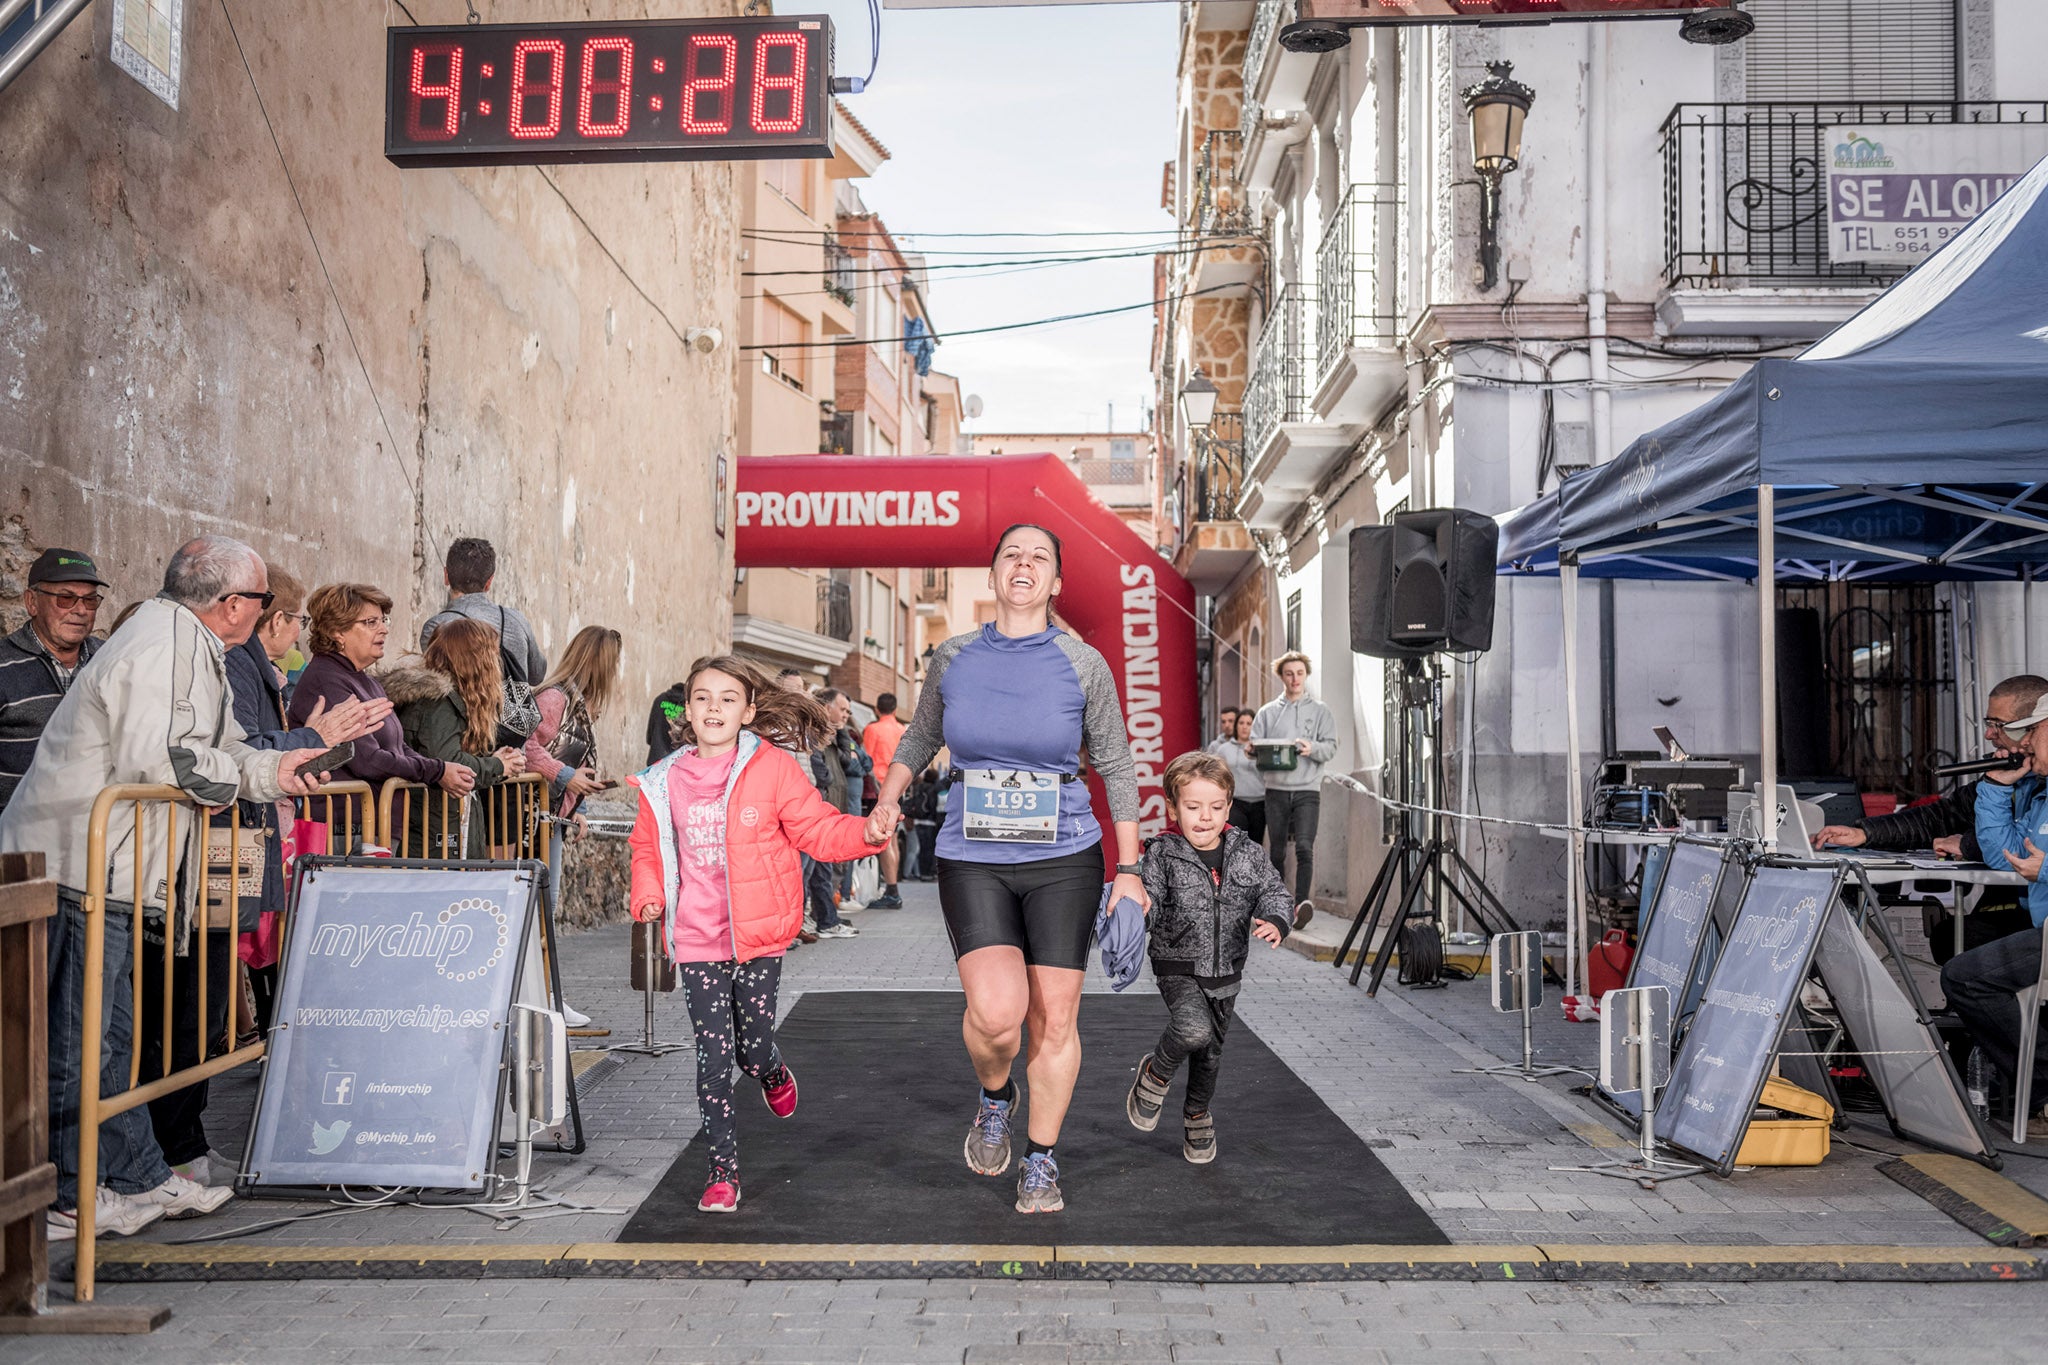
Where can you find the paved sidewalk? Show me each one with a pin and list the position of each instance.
(1475, 1150)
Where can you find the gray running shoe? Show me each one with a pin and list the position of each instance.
(1038, 1185)
(1148, 1093)
(1198, 1141)
(988, 1141)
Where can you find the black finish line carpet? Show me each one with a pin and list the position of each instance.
(873, 1154)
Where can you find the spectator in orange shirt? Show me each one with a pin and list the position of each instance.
(880, 739)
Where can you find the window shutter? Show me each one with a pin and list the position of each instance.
(1868, 50)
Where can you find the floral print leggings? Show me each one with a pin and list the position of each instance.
(732, 1007)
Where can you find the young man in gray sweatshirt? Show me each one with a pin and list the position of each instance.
(1294, 797)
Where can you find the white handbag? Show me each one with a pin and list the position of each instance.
(867, 879)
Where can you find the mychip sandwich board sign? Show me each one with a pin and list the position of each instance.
(1671, 945)
(387, 1064)
(1727, 1053)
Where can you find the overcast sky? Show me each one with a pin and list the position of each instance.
(1055, 119)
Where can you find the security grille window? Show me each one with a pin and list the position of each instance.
(1123, 461)
(1851, 49)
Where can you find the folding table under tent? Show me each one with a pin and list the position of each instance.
(1909, 444)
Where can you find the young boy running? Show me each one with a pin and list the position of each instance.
(1212, 890)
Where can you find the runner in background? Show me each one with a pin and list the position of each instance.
(880, 739)
(1020, 852)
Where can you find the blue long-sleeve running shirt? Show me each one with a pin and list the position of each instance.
(1026, 702)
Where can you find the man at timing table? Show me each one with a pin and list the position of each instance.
(1949, 827)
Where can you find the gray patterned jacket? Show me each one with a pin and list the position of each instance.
(1198, 926)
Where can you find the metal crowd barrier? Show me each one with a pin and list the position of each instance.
(349, 811)
(427, 822)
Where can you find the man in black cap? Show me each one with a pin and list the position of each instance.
(38, 662)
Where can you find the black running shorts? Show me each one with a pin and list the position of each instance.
(1046, 908)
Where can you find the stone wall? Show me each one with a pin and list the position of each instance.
(236, 316)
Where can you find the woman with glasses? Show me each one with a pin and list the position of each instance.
(350, 622)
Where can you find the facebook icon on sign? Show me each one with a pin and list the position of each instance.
(338, 1088)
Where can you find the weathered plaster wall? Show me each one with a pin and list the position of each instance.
(498, 352)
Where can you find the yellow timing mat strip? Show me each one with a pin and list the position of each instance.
(1981, 1199)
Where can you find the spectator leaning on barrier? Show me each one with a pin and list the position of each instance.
(1294, 797)
(572, 701)
(151, 707)
(255, 676)
(470, 569)
(448, 708)
(38, 661)
(350, 622)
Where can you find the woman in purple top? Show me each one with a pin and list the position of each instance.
(349, 623)
(1020, 852)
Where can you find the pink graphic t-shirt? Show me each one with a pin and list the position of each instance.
(696, 803)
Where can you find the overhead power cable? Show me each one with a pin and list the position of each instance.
(982, 331)
(1165, 242)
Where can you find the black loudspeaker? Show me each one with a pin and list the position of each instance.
(1423, 583)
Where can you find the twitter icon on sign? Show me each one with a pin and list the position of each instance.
(328, 1136)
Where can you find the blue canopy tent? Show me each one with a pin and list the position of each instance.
(1910, 443)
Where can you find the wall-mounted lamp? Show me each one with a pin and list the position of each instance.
(1497, 107)
(1198, 400)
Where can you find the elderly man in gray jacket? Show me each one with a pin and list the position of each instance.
(1294, 796)
(153, 706)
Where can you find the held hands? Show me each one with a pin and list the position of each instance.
(291, 779)
(457, 779)
(882, 823)
(1266, 930)
(1127, 884)
(514, 760)
(2029, 866)
(1839, 836)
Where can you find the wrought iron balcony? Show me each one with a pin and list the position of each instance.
(1266, 21)
(1354, 275)
(835, 432)
(1222, 208)
(1217, 467)
(1278, 392)
(835, 609)
(839, 276)
(1745, 187)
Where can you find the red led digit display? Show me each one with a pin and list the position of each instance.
(650, 90)
(1479, 11)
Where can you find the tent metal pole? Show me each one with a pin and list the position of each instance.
(1767, 655)
(1575, 815)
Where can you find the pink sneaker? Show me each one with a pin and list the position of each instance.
(720, 1196)
(781, 1098)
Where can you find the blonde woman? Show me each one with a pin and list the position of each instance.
(448, 707)
(563, 748)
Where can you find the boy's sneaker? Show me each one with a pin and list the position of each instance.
(888, 900)
(988, 1141)
(182, 1198)
(116, 1215)
(1198, 1140)
(839, 931)
(722, 1195)
(781, 1097)
(1038, 1185)
(1148, 1094)
(1303, 913)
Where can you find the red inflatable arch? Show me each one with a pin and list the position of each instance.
(932, 512)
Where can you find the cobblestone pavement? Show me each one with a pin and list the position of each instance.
(1475, 1150)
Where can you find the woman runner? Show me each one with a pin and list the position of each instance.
(1020, 852)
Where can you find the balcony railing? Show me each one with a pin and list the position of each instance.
(1218, 468)
(835, 433)
(835, 609)
(1278, 391)
(1745, 187)
(1222, 208)
(839, 276)
(1354, 267)
(1266, 21)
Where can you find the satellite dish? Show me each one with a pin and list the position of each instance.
(973, 407)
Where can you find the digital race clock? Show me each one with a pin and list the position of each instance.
(1479, 11)
(650, 90)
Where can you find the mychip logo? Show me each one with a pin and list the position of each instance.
(465, 941)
